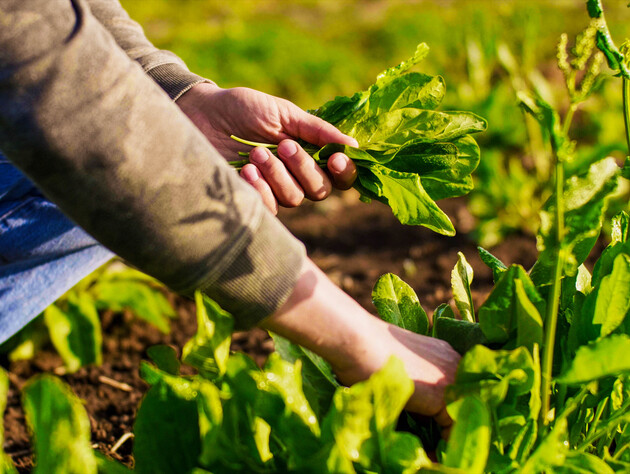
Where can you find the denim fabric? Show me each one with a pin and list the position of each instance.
(42, 253)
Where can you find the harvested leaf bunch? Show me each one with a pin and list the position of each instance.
(409, 154)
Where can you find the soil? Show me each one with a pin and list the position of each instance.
(353, 242)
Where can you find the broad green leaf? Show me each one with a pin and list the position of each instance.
(167, 436)
(529, 322)
(442, 311)
(612, 303)
(551, 452)
(143, 300)
(285, 379)
(457, 180)
(524, 442)
(491, 375)
(106, 465)
(75, 331)
(60, 427)
(605, 309)
(6, 465)
(578, 462)
(603, 358)
(165, 358)
(585, 198)
(496, 265)
(397, 303)
(604, 264)
(209, 349)
(498, 316)
(461, 335)
(403, 192)
(318, 381)
(461, 279)
(469, 443)
(361, 423)
(210, 411)
(400, 126)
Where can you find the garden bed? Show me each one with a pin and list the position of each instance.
(353, 243)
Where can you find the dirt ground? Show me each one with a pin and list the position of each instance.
(353, 242)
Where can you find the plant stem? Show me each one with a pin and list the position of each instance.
(553, 304)
(626, 109)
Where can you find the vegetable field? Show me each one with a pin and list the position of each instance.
(491, 210)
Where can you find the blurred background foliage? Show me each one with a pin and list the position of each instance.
(310, 51)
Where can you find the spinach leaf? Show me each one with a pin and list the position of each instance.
(397, 303)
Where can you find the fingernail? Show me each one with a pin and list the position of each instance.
(250, 173)
(338, 164)
(259, 155)
(287, 148)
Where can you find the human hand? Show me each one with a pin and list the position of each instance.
(321, 317)
(255, 116)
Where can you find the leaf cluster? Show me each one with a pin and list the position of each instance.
(409, 155)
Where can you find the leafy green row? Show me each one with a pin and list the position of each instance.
(73, 325)
(293, 416)
(410, 155)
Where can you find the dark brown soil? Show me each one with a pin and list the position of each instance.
(352, 242)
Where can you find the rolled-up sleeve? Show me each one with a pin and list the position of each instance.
(106, 144)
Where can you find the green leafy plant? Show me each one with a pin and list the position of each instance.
(410, 155)
(73, 324)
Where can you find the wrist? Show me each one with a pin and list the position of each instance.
(321, 317)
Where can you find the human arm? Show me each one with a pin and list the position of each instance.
(101, 140)
(321, 317)
(253, 115)
(246, 113)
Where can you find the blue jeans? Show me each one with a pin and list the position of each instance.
(42, 253)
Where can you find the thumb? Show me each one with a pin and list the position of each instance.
(315, 130)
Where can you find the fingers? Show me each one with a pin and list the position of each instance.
(286, 190)
(251, 174)
(304, 168)
(343, 170)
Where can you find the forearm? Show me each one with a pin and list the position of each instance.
(164, 67)
(321, 317)
(102, 141)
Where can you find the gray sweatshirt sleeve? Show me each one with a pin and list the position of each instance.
(164, 67)
(106, 144)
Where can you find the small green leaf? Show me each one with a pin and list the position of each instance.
(318, 380)
(603, 358)
(529, 322)
(551, 452)
(209, 349)
(498, 316)
(581, 462)
(361, 423)
(75, 331)
(620, 227)
(496, 265)
(167, 436)
(144, 301)
(491, 374)
(461, 335)
(165, 357)
(585, 200)
(461, 279)
(60, 427)
(398, 304)
(469, 443)
(106, 465)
